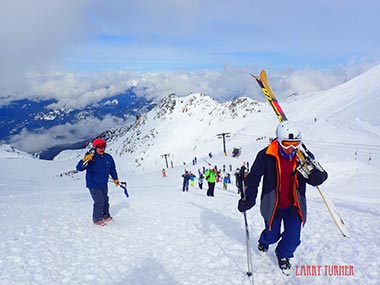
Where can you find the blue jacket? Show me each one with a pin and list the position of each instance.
(186, 177)
(267, 165)
(98, 170)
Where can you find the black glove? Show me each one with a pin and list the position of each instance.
(317, 177)
(245, 205)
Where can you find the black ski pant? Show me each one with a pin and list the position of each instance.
(210, 190)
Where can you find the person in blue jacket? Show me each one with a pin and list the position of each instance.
(186, 177)
(99, 166)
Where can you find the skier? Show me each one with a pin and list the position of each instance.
(283, 193)
(200, 180)
(226, 180)
(186, 178)
(211, 178)
(163, 172)
(192, 179)
(99, 166)
(238, 180)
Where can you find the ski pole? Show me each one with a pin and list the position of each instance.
(247, 239)
(208, 163)
(122, 185)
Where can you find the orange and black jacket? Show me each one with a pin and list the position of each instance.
(267, 165)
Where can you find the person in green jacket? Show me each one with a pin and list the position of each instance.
(211, 177)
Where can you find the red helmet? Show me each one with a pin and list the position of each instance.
(99, 142)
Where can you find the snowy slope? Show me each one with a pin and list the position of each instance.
(161, 235)
(9, 151)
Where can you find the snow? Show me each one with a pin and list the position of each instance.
(161, 235)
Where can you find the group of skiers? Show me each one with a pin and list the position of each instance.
(283, 199)
(211, 175)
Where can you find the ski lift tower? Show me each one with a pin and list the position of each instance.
(166, 158)
(224, 136)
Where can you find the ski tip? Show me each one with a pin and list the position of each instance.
(254, 76)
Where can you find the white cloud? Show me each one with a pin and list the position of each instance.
(76, 90)
(34, 33)
(63, 134)
(174, 34)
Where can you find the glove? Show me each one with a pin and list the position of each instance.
(116, 181)
(88, 157)
(317, 177)
(245, 205)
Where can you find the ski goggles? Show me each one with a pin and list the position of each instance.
(288, 144)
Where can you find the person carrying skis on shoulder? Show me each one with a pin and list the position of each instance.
(283, 197)
(99, 166)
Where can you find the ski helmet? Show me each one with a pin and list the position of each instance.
(288, 131)
(99, 142)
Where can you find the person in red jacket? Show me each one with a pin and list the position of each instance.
(283, 197)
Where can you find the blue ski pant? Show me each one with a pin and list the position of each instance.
(290, 238)
(101, 207)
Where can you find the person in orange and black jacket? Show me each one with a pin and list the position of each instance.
(283, 197)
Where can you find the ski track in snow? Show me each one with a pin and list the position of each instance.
(161, 235)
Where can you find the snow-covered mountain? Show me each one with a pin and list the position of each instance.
(27, 115)
(185, 127)
(161, 235)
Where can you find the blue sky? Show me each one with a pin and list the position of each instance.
(168, 34)
(148, 35)
(96, 36)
